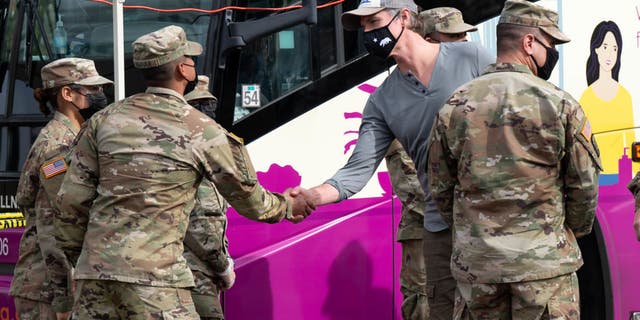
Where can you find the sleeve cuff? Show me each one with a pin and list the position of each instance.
(229, 269)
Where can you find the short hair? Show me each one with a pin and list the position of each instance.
(415, 23)
(162, 73)
(509, 36)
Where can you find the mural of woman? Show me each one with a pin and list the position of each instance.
(606, 102)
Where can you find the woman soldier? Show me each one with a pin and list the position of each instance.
(73, 89)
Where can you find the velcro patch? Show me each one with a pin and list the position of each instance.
(236, 138)
(586, 129)
(54, 167)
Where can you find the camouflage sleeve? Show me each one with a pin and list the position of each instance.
(58, 267)
(441, 169)
(226, 162)
(581, 164)
(634, 187)
(406, 186)
(77, 192)
(29, 181)
(207, 227)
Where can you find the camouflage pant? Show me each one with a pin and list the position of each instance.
(206, 297)
(28, 309)
(441, 286)
(413, 279)
(555, 298)
(98, 299)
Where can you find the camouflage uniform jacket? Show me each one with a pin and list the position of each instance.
(634, 187)
(513, 166)
(205, 244)
(32, 278)
(132, 182)
(406, 186)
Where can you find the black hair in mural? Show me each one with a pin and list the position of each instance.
(593, 67)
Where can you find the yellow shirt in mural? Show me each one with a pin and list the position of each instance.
(614, 114)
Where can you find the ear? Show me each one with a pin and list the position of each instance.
(181, 70)
(66, 93)
(527, 43)
(405, 17)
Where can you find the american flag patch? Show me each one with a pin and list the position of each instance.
(586, 129)
(54, 167)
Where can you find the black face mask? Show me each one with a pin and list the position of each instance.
(97, 101)
(380, 42)
(553, 55)
(192, 83)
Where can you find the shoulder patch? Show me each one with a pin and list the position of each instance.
(586, 129)
(54, 167)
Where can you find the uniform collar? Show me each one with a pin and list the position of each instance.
(59, 116)
(507, 67)
(166, 91)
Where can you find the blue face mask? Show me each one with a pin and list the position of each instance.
(380, 42)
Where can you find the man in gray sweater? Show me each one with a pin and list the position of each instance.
(404, 108)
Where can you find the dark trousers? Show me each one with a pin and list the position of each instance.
(441, 286)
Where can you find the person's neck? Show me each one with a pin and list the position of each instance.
(517, 58)
(70, 111)
(416, 55)
(173, 85)
(605, 75)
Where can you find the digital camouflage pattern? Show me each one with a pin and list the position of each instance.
(201, 91)
(634, 187)
(205, 248)
(445, 20)
(163, 46)
(546, 299)
(206, 297)
(512, 166)
(132, 182)
(406, 186)
(525, 13)
(71, 70)
(41, 272)
(28, 309)
(97, 299)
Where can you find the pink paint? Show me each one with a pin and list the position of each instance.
(340, 263)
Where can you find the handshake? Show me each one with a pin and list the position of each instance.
(303, 202)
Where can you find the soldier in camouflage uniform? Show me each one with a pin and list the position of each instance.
(132, 183)
(205, 244)
(513, 168)
(413, 276)
(40, 285)
(445, 24)
(634, 187)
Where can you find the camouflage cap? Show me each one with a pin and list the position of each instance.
(71, 70)
(162, 46)
(525, 13)
(351, 19)
(445, 20)
(201, 90)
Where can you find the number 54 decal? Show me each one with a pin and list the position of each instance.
(251, 95)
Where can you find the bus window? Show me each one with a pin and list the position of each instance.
(326, 37)
(280, 63)
(272, 66)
